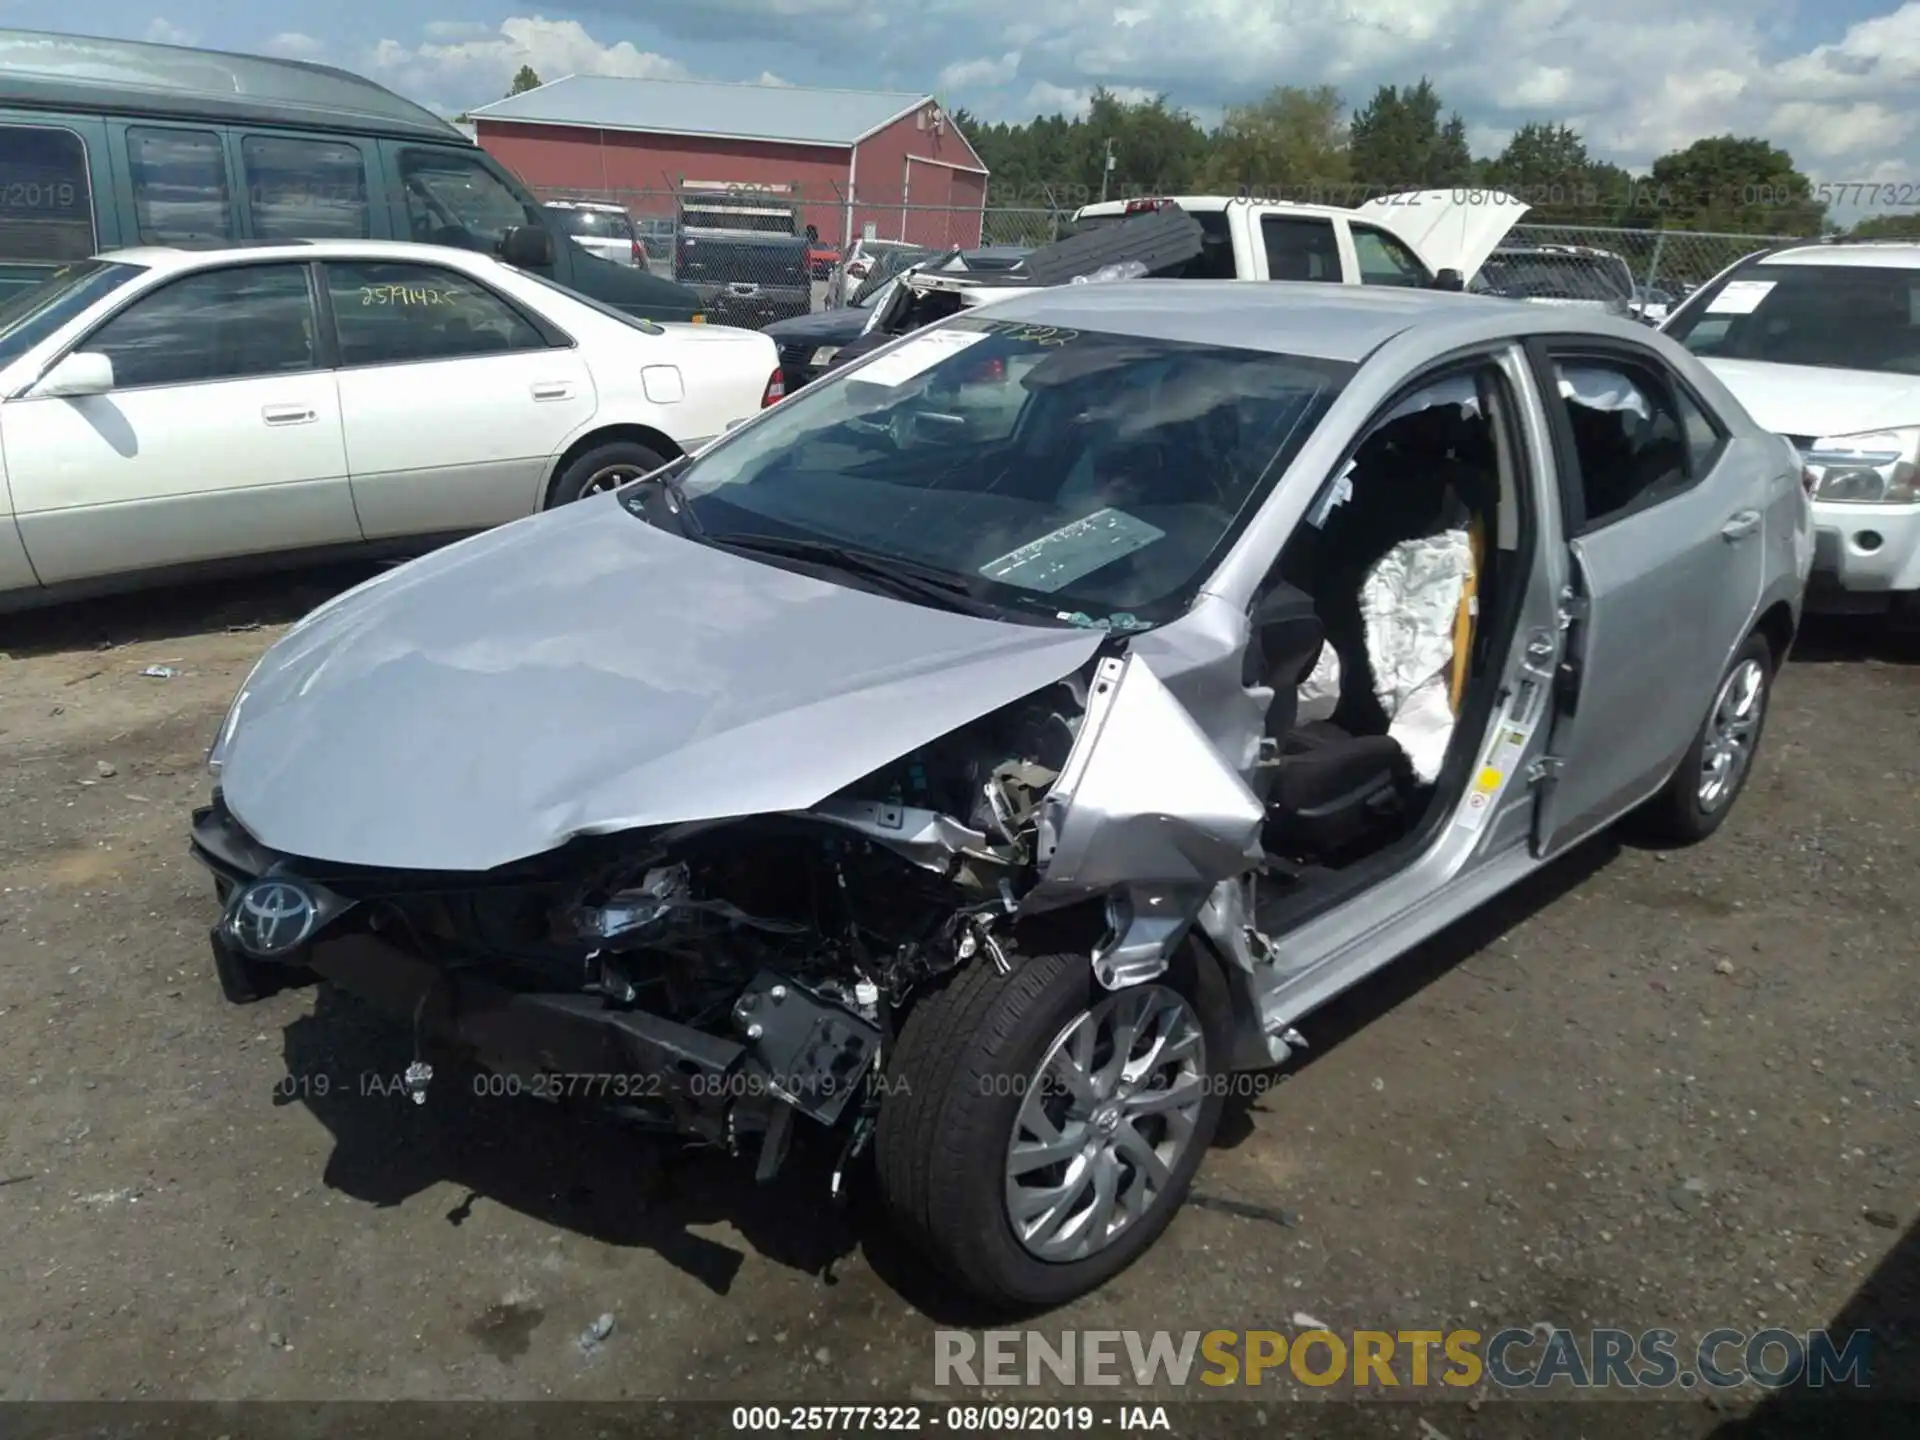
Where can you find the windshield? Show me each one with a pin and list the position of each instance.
(1841, 317)
(1556, 277)
(595, 224)
(1083, 476)
(31, 315)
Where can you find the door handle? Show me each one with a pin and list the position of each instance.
(552, 390)
(289, 414)
(1741, 525)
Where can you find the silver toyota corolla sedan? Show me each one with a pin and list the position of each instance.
(979, 758)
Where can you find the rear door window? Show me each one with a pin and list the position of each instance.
(387, 314)
(1300, 247)
(180, 194)
(46, 202)
(305, 189)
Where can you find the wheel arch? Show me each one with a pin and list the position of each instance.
(1778, 624)
(658, 441)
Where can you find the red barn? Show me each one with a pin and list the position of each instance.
(863, 162)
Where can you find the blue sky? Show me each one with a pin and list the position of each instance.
(1830, 81)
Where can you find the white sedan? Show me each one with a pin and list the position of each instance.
(164, 411)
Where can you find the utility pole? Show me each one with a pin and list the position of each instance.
(1106, 172)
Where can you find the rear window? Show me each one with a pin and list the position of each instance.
(1556, 277)
(1215, 260)
(1842, 317)
(46, 204)
(741, 262)
(603, 224)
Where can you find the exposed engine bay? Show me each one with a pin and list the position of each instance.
(862, 898)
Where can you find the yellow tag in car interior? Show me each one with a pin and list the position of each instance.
(1489, 780)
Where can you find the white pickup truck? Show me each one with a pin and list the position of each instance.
(1427, 238)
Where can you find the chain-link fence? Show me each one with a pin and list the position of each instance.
(757, 255)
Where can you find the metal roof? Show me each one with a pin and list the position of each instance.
(794, 114)
(81, 72)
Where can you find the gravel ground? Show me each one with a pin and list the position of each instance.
(1675, 1090)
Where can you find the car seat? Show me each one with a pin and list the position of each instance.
(1324, 789)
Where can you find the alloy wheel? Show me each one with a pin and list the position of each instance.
(1104, 1122)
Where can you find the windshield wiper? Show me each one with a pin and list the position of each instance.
(904, 578)
(667, 478)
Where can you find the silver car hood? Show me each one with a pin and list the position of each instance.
(583, 672)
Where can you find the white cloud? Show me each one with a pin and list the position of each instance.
(982, 74)
(767, 77)
(163, 31)
(484, 66)
(292, 45)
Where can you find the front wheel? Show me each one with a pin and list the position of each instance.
(1715, 768)
(1039, 1131)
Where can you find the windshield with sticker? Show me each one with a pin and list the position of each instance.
(1091, 477)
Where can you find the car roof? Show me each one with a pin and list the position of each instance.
(1327, 322)
(1203, 204)
(136, 77)
(195, 257)
(1891, 254)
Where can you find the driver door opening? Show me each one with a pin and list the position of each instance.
(1381, 633)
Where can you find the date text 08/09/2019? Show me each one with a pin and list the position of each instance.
(958, 1419)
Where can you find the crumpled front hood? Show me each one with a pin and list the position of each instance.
(1814, 400)
(584, 672)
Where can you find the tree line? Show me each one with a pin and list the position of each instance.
(1303, 143)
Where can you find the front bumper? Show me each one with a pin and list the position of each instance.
(797, 1051)
(1867, 550)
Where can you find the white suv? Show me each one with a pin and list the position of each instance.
(1821, 343)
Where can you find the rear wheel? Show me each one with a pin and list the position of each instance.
(603, 468)
(1715, 768)
(1040, 1131)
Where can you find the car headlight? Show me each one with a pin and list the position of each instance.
(1874, 468)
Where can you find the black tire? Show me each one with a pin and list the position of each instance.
(628, 459)
(940, 1147)
(1679, 815)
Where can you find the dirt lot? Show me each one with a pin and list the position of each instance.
(1678, 1090)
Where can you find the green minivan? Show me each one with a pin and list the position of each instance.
(106, 144)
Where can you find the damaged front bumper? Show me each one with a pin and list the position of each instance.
(796, 1051)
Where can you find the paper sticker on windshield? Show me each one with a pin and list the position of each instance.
(916, 357)
(1740, 297)
(1055, 561)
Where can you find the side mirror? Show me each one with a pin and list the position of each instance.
(1450, 280)
(84, 372)
(527, 247)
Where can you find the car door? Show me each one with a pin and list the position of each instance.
(1666, 561)
(1300, 247)
(220, 437)
(454, 399)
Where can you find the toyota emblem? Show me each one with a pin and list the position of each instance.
(271, 917)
